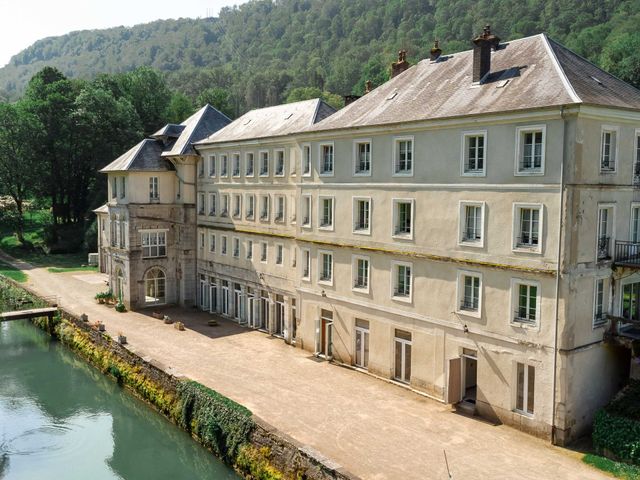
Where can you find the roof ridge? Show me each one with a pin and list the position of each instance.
(556, 63)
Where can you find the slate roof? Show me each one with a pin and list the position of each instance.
(171, 140)
(273, 121)
(529, 73)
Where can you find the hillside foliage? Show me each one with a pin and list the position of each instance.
(262, 50)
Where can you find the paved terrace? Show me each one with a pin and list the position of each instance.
(375, 429)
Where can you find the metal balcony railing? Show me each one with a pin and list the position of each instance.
(627, 253)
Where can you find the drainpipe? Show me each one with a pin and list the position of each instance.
(557, 306)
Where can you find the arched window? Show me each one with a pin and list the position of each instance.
(154, 286)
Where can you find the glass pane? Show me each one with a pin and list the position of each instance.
(398, 360)
(366, 349)
(407, 359)
(358, 347)
(531, 377)
(520, 387)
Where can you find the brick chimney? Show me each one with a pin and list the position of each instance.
(401, 65)
(482, 46)
(435, 52)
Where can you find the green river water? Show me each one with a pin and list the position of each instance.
(61, 419)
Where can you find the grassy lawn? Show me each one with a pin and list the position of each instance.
(12, 273)
(35, 222)
(617, 469)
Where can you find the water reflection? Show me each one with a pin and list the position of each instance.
(59, 418)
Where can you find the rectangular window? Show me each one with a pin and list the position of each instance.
(306, 264)
(525, 389)
(249, 164)
(279, 167)
(362, 157)
(201, 239)
(153, 189)
(123, 187)
(279, 254)
(473, 147)
(403, 156)
(531, 150)
(212, 204)
(402, 280)
(249, 249)
(528, 220)
(201, 168)
(264, 164)
(264, 208)
(251, 200)
(263, 251)
(360, 272)
(605, 232)
(527, 302)
(472, 223)
(280, 208)
(326, 159)
(224, 166)
(212, 243)
(154, 244)
(201, 205)
(236, 248)
(636, 159)
(306, 160)
(600, 303)
(306, 210)
(469, 285)
(224, 207)
(635, 223)
(212, 165)
(361, 215)
(237, 205)
(326, 267)
(223, 245)
(326, 212)
(235, 166)
(403, 218)
(608, 150)
(114, 187)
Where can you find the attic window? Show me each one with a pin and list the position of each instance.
(598, 81)
(247, 122)
(287, 117)
(393, 94)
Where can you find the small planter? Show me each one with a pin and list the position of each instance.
(167, 320)
(121, 308)
(179, 326)
(100, 326)
(122, 340)
(213, 323)
(157, 315)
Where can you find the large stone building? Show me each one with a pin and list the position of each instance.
(468, 229)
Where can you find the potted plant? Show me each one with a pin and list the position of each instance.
(157, 315)
(100, 326)
(179, 326)
(167, 320)
(100, 297)
(120, 307)
(122, 340)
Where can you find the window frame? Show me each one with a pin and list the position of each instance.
(462, 223)
(224, 245)
(354, 273)
(303, 253)
(612, 222)
(248, 196)
(247, 163)
(605, 301)
(460, 293)
(525, 390)
(356, 143)
(249, 249)
(224, 209)
(520, 131)
(212, 244)
(268, 158)
(264, 252)
(307, 197)
(320, 258)
(304, 163)
(123, 187)
(321, 172)
(396, 156)
(394, 203)
(224, 173)
(395, 264)
(268, 215)
(237, 206)
(515, 304)
(635, 164)
(276, 151)
(634, 206)
(235, 242)
(321, 198)
(154, 189)
(516, 233)
(612, 129)
(202, 204)
(236, 156)
(280, 253)
(355, 215)
(465, 152)
(276, 217)
(212, 160)
(213, 204)
(155, 231)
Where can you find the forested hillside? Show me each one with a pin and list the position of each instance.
(258, 52)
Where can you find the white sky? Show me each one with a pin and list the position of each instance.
(22, 22)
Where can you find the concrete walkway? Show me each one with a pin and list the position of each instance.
(374, 429)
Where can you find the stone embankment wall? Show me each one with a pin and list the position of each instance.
(254, 448)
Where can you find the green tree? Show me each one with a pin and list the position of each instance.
(621, 57)
(180, 107)
(148, 93)
(218, 98)
(20, 131)
(307, 93)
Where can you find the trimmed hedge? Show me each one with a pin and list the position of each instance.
(217, 421)
(616, 427)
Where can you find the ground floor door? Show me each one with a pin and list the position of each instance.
(252, 302)
(204, 293)
(402, 364)
(279, 314)
(362, 343)
(325, 334)
(224, 300)
(631, 302)
(263, 311)
(469, 376)
(213, 296)
(238, 307)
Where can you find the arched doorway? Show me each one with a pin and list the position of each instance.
(119, 285)
(154, 287)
